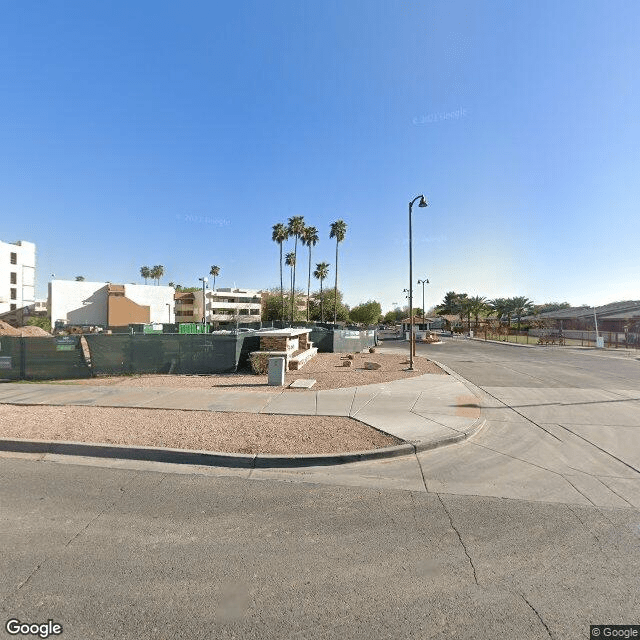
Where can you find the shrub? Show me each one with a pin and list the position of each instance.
(259, 363)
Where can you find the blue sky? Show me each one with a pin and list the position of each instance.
(178, 133)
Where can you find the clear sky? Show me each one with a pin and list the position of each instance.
(142, 133)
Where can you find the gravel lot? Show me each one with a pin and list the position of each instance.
(325, 368)
(201, 430)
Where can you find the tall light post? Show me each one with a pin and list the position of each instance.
(424, 318)
(422, 203)
(204, 300)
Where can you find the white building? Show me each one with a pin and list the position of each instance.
(17, 275)
(233, 305)
(109, 305)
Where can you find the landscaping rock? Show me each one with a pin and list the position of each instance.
(372, 366)
(346, 363)
(372, 349)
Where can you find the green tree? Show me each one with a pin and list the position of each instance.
(309, 238)
(280, 234)
(295, 226)
(389, 317)
(366, 313)
(320, 273)
(40, 321)
(329, 302)
(339, 232)
(156, 273)
(215, 272)
(521, 306)
(272, 304)
(477, 306)
(449, 305)
(79, 278)
(499, 307)
(145, 272)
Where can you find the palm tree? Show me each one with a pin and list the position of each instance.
(215, 272)
(79, 278)
(295, 227)
(338, 231)
(279, 234)
(521, 306)
(156, 273)
(502, 307)
(310, 238)
(477, 305)
(499, 306)
(290, 261)
(320, 273)
(145, 272)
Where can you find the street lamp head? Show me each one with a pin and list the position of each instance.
(423, 202)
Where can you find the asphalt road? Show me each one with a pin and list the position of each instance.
(529, 530)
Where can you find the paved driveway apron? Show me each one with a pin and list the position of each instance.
(563, 425)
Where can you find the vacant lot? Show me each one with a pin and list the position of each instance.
(326, 368)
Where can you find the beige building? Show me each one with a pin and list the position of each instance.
(109, 305)
(222, 306)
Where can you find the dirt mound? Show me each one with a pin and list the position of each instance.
(8, 330)
(33, 332)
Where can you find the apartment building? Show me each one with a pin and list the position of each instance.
(17, 275)
(221, 307)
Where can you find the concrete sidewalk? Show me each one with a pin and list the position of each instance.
(425, 412)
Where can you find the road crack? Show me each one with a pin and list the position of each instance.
(544, 624)
(473, 568)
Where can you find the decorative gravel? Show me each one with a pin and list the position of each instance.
(200, 430)
(326, 368)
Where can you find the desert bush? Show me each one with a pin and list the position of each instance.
(259, 363)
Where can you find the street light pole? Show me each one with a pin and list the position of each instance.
(424, 320)
(422, 203)
(204, 300)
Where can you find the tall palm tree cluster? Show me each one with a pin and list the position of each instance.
(155, 273)
(462, 305)
(296, 229)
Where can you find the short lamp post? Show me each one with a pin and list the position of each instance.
(424, 317)
(422, 203)
(204, 299)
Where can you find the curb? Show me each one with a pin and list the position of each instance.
(511, 344)
(202, 458)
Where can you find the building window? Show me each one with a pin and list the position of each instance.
(14, 277)
(13, 307)
(14, 294)
(14, 258)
